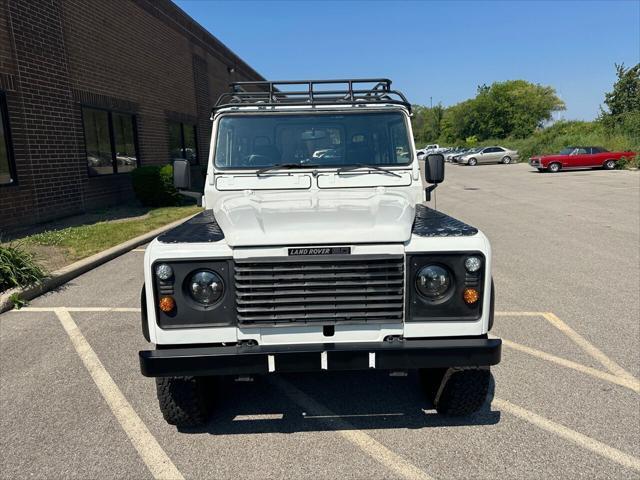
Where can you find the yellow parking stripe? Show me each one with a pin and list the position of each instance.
(154, 457)
(630, 384)
(588, 347)
(579, 439)
(519, 314)
(389, 459)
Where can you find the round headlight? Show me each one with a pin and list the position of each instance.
(472, 264)
(205, 287)
(164, 271)
(433, 281)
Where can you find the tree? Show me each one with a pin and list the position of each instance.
(625, 97)
(514, 108)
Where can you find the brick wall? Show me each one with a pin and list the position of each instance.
(145, 57)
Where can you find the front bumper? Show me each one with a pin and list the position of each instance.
(396, 355)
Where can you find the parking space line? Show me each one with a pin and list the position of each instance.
(579, 340)
(519, 314)
(588, 347)
(77, 309)
(579, 439)
(624, 382)
(152, 454)
(360, 439)
(103, 309)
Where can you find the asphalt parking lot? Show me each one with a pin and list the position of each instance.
(566, 402)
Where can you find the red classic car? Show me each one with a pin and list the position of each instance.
(579, 157)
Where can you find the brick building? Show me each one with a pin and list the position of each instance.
(90, 89)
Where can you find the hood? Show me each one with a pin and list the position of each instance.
(315, 218)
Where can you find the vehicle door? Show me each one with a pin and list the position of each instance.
(488, 155)
(498, 154)
(597, 157)
(580, 157)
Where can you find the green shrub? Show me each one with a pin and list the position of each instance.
(18, 268)
(153, 186)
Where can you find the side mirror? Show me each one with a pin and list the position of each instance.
(434, 168)
(181, 174)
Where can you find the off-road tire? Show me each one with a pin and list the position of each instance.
(183, 400)
(506, 160)
(609, 165)
(554, 167)
(463, 393)
(473, 162)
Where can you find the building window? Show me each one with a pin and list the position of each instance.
(182, 141)
(7, 170)
(110, 141)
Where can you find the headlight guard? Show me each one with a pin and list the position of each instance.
(188, 311)
(449, 305)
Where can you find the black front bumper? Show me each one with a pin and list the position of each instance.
(244, 360)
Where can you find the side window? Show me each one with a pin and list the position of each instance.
(182, 141)
(110, 141)
(581, 151)
(487, 150)
(498, 149)
(399, 141)
(7, 170)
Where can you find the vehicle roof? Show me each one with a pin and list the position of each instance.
(360, 108)
(312, 93)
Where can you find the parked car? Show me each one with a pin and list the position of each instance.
(579, 157)
(449, 156)
(456, 158)
(489, 155)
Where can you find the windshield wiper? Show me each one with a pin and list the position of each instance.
(365, 165)
(284, 165)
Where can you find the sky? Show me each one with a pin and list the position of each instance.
(432, 50)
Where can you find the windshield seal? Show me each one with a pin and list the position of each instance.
(312, 165)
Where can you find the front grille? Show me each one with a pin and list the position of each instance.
(322, 290)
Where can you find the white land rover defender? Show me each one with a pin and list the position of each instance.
(316, 252)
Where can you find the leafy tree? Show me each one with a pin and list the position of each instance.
(514, 108)
(625, 97)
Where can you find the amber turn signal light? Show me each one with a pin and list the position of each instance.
(167, 304)
(470, 296)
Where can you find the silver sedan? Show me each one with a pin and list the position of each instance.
(490, 155)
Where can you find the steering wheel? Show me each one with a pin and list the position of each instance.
(260, 160)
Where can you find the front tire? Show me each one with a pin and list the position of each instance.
(609, 165)
(554, 167)
(456, 392)
(183, 400)
(473, 162)
(506, 160)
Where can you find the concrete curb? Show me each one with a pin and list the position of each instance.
(62, 276)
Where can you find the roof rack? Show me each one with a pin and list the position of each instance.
(314, 92)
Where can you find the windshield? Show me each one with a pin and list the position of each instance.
(321, 140)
